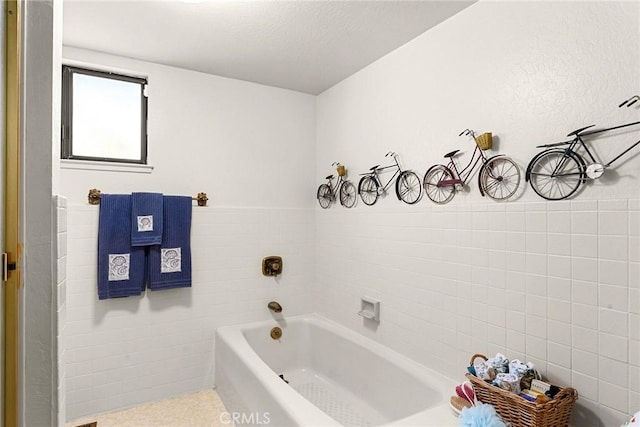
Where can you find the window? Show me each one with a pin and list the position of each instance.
(104, 116)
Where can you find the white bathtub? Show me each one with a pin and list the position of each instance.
(336, 377)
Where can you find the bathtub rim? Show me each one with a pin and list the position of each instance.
(306, 413)
(302, 411)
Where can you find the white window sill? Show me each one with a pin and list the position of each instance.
(105, 166)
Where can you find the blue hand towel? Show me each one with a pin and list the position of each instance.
(146, 219)
(170, 263)
(121, 268)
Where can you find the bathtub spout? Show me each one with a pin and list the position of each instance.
(274, 306)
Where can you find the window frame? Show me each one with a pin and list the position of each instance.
(66, 146)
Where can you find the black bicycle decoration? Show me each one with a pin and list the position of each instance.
(407, 183)
(557, 172)
(327, 192)
(499, 176)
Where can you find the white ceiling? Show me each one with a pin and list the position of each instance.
(307, 46)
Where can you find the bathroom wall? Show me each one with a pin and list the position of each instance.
(251, 149)
(556, 283)
(60, 255)
(38, 391)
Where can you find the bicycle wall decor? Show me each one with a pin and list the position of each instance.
(407, 183)
(327, 192)
(498, 179)
(558, 172)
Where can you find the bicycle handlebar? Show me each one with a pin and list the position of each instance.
(467, 132)
(629, 102)
(390, 153)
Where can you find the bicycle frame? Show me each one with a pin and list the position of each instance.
(498, 176)
(334, 190)
(374, 173)
(578, 138)
(407, 183)
(342, 189)
(578, 141)
(575, 162)
(477, 156)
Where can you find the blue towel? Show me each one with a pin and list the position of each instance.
(121, 268)
(146, 219)
(170, 263)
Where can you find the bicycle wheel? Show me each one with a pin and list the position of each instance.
(324, 196)
(556, 174)
(442, 194)
(408, 188)
(499, 178)
(347, 194)
(368, 190)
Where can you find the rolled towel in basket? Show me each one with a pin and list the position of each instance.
(520, 368)
(484, 371)
(509, 382)
(499, 362)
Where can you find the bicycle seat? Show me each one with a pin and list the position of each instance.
(577, 131)
(374, 167)
(451, 154)
(329, 177)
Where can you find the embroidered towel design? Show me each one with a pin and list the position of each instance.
(145, 223)
(118, 267)
(146, 219)
(170, 263)
(171, 260)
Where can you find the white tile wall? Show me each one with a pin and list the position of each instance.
(122, 352)
(552, 283)
(60, 210)
(548, 282)
(565, 273)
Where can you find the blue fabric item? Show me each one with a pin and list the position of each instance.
(481, 415)
(121, 268)
(170, 263)
(146, 219)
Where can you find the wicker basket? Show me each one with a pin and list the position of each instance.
(518, 411)
(485, 141)
(342, 171)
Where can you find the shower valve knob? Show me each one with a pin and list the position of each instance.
(272, 266)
